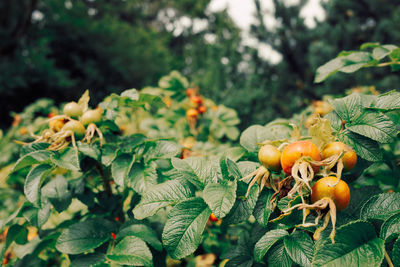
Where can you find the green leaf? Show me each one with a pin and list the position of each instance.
(88, 260)
(374, 125)
(33, 181)
(347, 62)
(223, 123)
(67, 159)
(162, 195)
(240, 261)
(38, 216)
(184, 227)
(348, 108)
(229, 169)
(142, 178)
(369, 45)
(390, 227)
(163, 150)
(83, 236)
(143, 232)
(262, 210)
(388, 101)
(108, 154)
(243, 207)
(14, 232)
(247, 167)
(396, 252)
(131, 251)
(120, 168)
(278, 257)
(381, 207)
(31, 159)
(328, 69)
(299, 247)
(196, 170)
(335, 120)
(265, 243)
(234, 153)
(356, 244)
(89, 150)
(382, 51)
(32, 147)
(364, 147)
(286, 202)
(355, 61)
(132, 94)
(253, 136)
(220, 197)
(56, 191)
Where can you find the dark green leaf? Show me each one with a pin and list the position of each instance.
(57, 193)
(88, 260)
(108, 154)
(265, 243)
(243, 207)
(220, 197)
(388, 101)
(142, 178)
(381, 207)
(240, 261)
(262, 210)
(348, 108)
(196, 170)
(229, 169)
(299, 247)
(83, 236)
(33, 181)
(374, 125)
(67, 158)
(391, 226)
(143, 232)
(163, 150)
(396, 252)
(31, 159)
(162, 195)
(120, 168)
(364, 147)
(356, 244)
(184, 227)
(131, 251)
(278, 257)
(89, 150)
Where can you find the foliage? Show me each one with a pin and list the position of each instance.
(138, 199)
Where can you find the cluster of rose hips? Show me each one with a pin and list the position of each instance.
(197, 100)
(77, 123)
(302, 162)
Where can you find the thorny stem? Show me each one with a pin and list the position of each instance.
(106, 182)
(389, 261)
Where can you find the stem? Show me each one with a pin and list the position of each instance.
(106, 182)
(387, 64)
(389, 261)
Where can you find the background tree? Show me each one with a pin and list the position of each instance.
(60, 48)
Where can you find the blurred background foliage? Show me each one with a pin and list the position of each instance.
(57, 49)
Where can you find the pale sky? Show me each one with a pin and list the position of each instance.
(242, 12)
